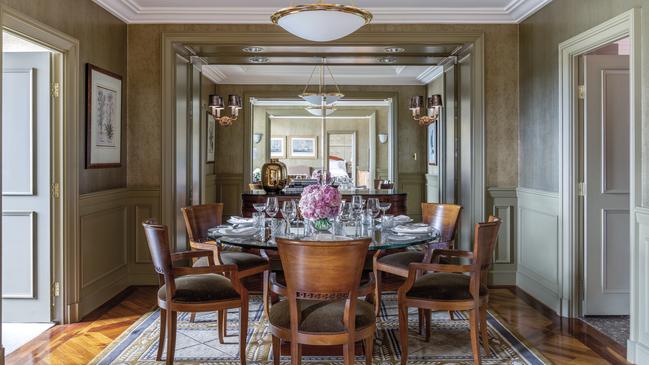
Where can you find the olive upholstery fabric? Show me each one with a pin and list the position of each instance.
(243, 260)
(201, 288)
(443, 286)
(402, 259)
(321, 316)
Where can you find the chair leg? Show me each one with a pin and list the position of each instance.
(163, 328)
(348, 353)
(421, 320)
(221, 324)
(266, 293)
(474, 320)
(403, 333)
(450, 314)
(483, 330)
(369, 350)
(192, 317)
(172, 318)
(243, 327)
(277, 350)
(296, 353)
(377, 291)
(427, 322)
(225, 323)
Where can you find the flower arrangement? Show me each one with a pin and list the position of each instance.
(320, 202)
(317, 175)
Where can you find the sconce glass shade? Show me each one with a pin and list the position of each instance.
(383, 138)
(215, 102)
(435, 101)
(416, 102)
(257, 137)
(234, 101)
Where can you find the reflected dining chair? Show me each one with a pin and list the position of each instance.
(448, 287)
(198, 220)
(444, 218)
(321, 305)
(192, 289)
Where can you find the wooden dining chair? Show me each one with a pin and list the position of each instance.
(198, 220)
(322, 308)
(192, 289)
(444, 218)
(448, 287)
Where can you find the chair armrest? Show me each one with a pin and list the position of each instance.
(184, 255)
(451, 253)
(368, 288)
(212, 269)
(276, 287)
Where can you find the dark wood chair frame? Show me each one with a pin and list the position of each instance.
(158, 238)
(480, 262)
(311, 288)
(199, 241)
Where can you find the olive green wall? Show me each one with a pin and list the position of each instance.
(501, 99)
(102, 40)
(540, 36)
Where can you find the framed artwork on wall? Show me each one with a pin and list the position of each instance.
(277, 147)
(103, 118)
(210, 143)
(304, 147)
(432, 144)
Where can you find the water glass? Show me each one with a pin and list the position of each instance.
(289, 212)
(384, 206)
(373, 209)
(387, 222)
(260, 207)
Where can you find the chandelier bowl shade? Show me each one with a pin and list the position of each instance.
(322, 98)
(317, 111)
(321, 22)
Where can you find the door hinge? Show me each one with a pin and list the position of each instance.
(581, 189)
(56, 190)
(56, 289)
(56, 89)
(581, 92)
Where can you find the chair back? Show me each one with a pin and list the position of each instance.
(326, 270)
(486, 236)
(157, 237)
(443, 217)
(200, 218)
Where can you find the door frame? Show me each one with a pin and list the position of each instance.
(570, 274)
(65, 160)
(171, 39)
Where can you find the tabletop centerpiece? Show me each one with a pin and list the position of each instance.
(320, 204)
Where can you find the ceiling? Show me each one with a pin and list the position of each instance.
(385, 11)
(299, 75)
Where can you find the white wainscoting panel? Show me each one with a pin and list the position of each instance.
(103, 247)
(502, 204)
(538, 240)
(18, 256)
(638, 345)
(143, 204)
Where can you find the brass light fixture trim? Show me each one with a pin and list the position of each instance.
(433, 108)
(366, 15)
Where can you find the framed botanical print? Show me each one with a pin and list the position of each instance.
(103, 118)
(432, 144)
(278, 147)
(210, 143)
(303, 147)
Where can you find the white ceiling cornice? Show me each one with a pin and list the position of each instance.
(130, 11)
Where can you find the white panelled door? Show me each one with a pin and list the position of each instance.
(26, 237)
(606, 229)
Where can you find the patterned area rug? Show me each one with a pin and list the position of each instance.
(197, 343)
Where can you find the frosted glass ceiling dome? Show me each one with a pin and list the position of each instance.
(321, 22)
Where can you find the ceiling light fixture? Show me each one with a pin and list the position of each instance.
(322, 97)
(321, 22)
(394, 50)
(318, 111)
(259, 59)
(433, 107)
(253, 49)
(387, 59)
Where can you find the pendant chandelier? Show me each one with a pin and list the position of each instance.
(321, 22)
(322, 99)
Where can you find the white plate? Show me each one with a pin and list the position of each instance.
(405, 237)
(230, 232)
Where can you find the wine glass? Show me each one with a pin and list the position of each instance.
(260, 207)
(373, 209)
(357, 207)
(345, 214)
(288, 212)
(384, 206)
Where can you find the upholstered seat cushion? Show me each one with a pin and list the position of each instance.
(402, 259)
(443, 286)
(243, 260)
(321, 316)
(201, 288)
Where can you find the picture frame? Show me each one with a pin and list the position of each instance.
(103, 118)
(210, 140)
(431, 144)
(303, 147)
(277, 147)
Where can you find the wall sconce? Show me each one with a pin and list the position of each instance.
(433, 107)
(216, 105)
(383, 138)
(257, 137)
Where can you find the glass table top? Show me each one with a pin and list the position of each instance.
(382, 239)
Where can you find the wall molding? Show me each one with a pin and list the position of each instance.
(638, 344)
(503, 203)
(143, 203)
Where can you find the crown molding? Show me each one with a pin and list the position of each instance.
(214, 74)
(130, 12)
(430, 74)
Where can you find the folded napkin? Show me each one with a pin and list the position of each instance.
(402, 218)
(417, 229)
(245, 231)
(239, 220)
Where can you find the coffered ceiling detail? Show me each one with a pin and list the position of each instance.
(385, 11)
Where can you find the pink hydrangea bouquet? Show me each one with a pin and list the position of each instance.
(317, 174)
(320, 202)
